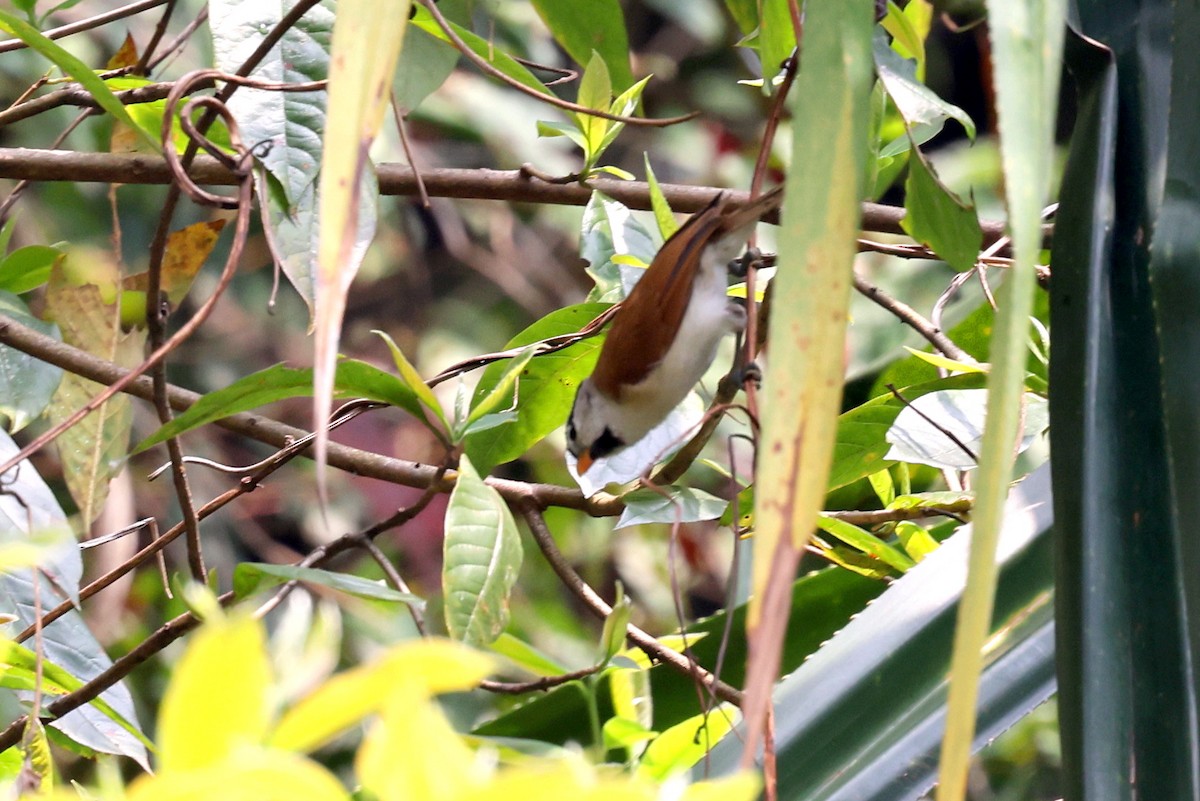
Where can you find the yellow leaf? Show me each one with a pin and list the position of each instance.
(187, 250)
(431, 666)
(252, 775)
(217, 701)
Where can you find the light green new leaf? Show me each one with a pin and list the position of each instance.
(865, 541)
(686, 743)
(413, 380)
(481, 559)
(502, 392)
(667, 225)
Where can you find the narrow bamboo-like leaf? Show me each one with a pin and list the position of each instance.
(819, 224)
(481, 559)
(484, 48)
(411, 378)
(596, 26)
(73, 67)
(363, 59)
(1026, 37)
(252, 577)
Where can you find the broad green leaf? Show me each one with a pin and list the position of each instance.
(27, 268)
(862, 444)
(923, 112)
(481, 558)
(662, 210)
(426, 61)
(939, 220)
(1026, 38)
(776, 37)
(29, 383)
(596, 26)
(545, 388)
(428, 667)
(353, 379)
(672, 505)
(252, 577)
(72, 66)
(205, 717)
(865, 541)
(284, 128)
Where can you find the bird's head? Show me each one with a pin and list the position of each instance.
(596, 427)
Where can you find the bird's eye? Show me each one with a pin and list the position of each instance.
(571, 434)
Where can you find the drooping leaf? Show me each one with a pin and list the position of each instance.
(678, 505)
(924, 113)
(425, 60)
(939, 220)
(610, 230)
(481, 558)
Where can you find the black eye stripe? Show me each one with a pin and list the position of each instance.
(606, 443)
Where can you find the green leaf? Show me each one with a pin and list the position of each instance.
(205, 718)
(73, 67)
(481, 559)
(503, 391)
(885, 488)
(1026, 38)
(612, 637)
(29, 383)
(545, 386)
(609, 230)
(916, 541)
(353, 379)
(861, 443)
(483, 48)
(252, 577)
(595, 92)
(658, 202)
(776, 37)
(526, 657)
(939, 220)
(412, 379)
(426, 61)
(744, 13)
(924, 113)
(953, 365)
(686, 743)
(27, 268)
(595, 26)
(671, 505)
(865, 541)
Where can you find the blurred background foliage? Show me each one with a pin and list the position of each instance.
(460, 278)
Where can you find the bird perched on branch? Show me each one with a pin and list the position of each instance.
(666, 333)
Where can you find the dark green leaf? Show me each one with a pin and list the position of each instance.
(29, 383)
(597, 25)
(939, 220)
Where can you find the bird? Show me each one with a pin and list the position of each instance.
(666, 332)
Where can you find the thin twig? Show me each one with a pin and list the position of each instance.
(88, 24)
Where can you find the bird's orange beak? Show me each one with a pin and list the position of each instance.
(583, 463)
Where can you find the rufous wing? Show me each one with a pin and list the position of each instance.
(645, 327)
